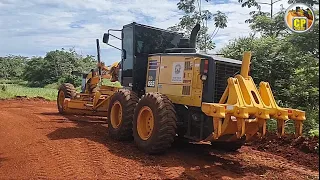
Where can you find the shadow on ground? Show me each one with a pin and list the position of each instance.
(196, 160)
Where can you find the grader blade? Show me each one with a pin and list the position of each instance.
(243, 110)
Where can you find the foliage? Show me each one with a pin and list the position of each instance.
(194, 15)
(290, 64)
(314, 132)
(57, 66)
(270, 24)
(308, 2)
(262, 22)
(288, 61)
(12, 67)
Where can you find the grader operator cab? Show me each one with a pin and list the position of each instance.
(171, 91)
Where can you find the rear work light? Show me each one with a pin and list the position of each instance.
(204, 68)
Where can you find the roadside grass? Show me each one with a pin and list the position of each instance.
(12, 88)
(8, 91)
(13, 81)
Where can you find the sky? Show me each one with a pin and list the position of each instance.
(34, 27)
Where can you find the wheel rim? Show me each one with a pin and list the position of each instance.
(61, 98)
(145, 123)
(116, 114)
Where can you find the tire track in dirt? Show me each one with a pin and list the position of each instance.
(71, 157)
(96, 157)
(60, 163)
(40, 171)
(63, 162)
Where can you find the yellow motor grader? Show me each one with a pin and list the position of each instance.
(168, 90)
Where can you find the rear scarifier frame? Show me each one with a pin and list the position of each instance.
(244, 110)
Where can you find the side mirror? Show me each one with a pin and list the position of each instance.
(124, 54)
(105, 38)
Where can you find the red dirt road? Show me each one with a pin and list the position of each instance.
(36, 142)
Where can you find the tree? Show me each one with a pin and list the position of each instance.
(11, 67)
(291, 68)
(290, 61)
(308, 2)
(269, 24)
(34, 71)
(195, 15)
(57, 66)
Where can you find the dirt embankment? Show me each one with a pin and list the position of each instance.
(37, 142)
(304, 151)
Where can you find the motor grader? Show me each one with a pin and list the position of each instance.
(170, 91)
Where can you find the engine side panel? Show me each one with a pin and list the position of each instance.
(178, 77)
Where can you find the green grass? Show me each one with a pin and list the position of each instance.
(107, 82)
(13, 90)
(13, 81)
(314, 132)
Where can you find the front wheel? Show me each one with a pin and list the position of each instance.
(66, 90)
(154, 123)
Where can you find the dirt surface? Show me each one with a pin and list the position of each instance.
(38, 143)
(303, 151)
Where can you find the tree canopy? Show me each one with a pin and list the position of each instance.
(288, 61)
(55, 67)
(193, 15)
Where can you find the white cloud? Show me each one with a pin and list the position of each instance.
(36, 26)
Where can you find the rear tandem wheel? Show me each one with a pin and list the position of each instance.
(154, 123)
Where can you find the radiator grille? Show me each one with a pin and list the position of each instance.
(186, 90)
(223, 72)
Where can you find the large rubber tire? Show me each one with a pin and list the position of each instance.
(164, 123)
(66, 90)
(127, 101)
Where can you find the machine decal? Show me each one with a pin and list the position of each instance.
(177, 72)
(152, 73)
(163, 67)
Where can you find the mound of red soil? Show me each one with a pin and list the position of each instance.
(37, 98)
(303, 150)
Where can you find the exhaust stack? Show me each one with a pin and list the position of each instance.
(193, 36)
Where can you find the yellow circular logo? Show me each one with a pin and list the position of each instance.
(299, 18)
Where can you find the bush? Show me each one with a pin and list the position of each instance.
(314, 132)
(75, 80)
